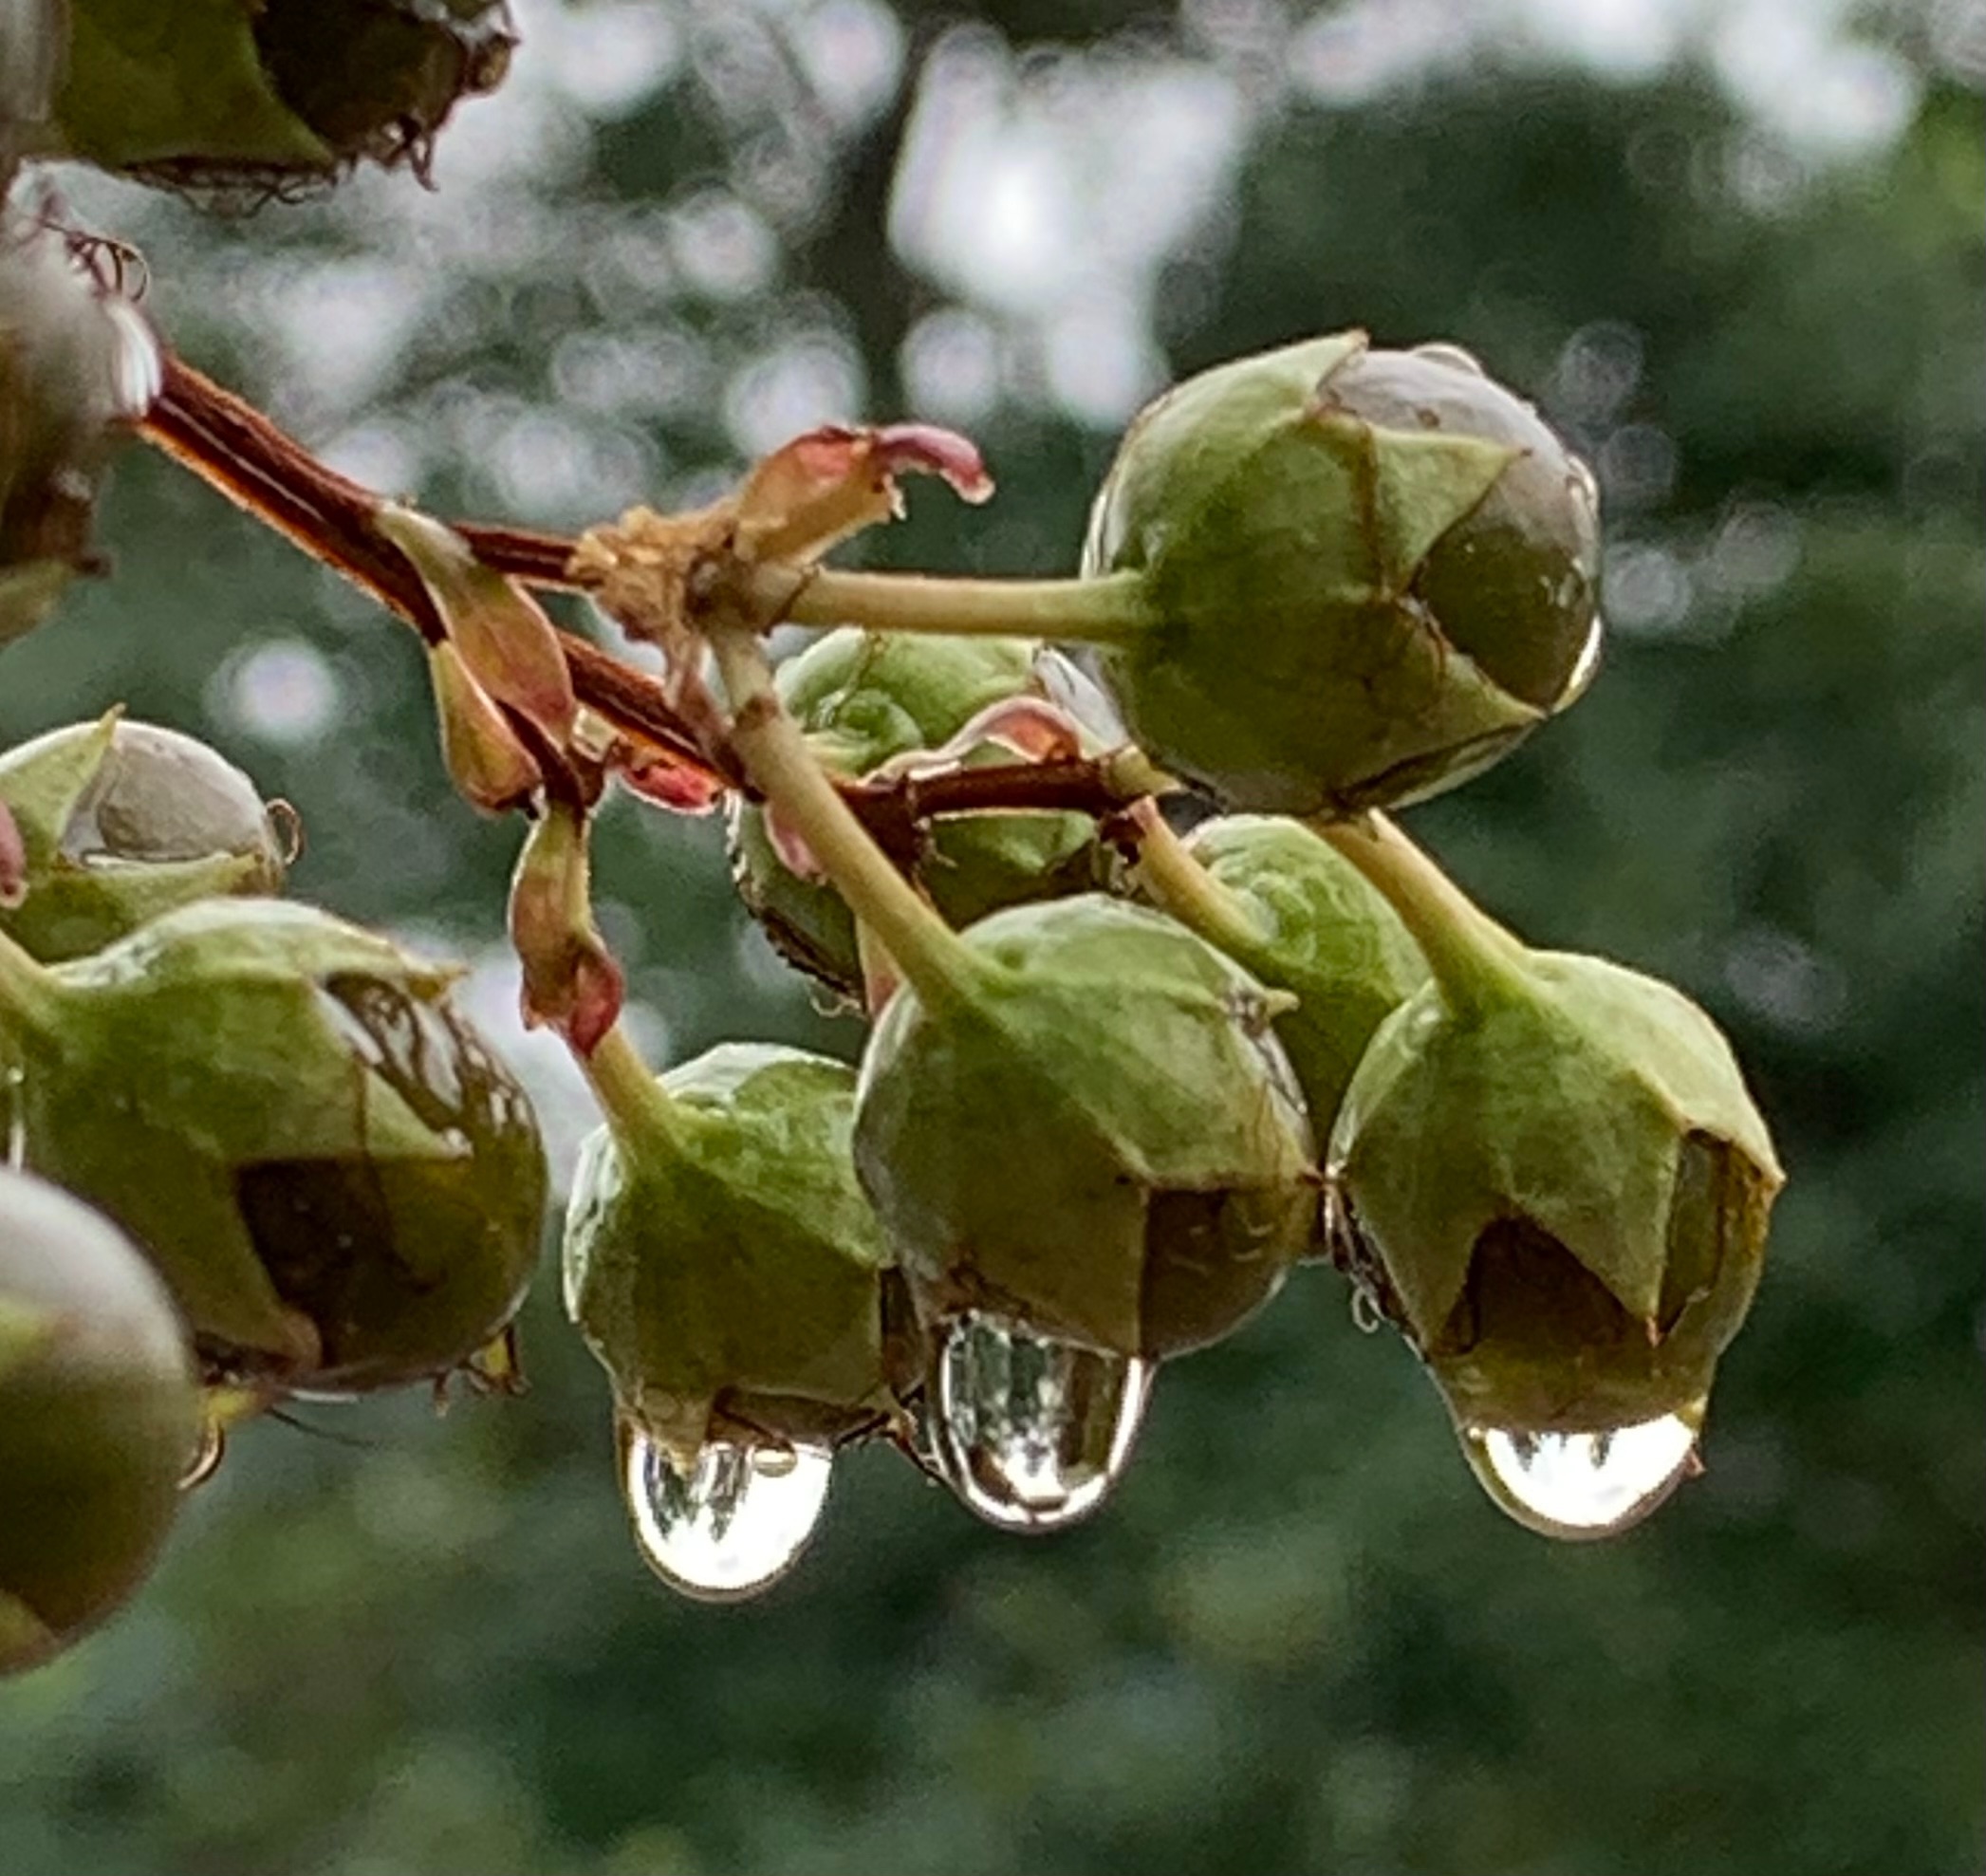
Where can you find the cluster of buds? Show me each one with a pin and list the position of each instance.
(271, 1158)
(1160, 1005)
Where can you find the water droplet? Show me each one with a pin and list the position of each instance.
(1586, 485)
(207, 1457)
(730, 1526)
(138, 374)
(1585, 667)
(1586, 1484)
(286, 829)
(1034, 1432)
(1441, 352)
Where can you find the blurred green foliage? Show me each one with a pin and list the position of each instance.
(1298, 1640)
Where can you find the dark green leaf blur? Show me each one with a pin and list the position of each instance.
(1736, 253)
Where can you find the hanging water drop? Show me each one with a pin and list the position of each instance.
(1034, 1432)
(733, 1523)
(1586, 1484)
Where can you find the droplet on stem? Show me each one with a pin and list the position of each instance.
(1033, 1432)
(1578, 1485)
(733, 1523)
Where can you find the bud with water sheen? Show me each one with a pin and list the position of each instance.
(1101, 1137)
(269, 96)
(100, 1418)
(121, 822)
(340, 1181)
(1327, 936)
(1561, 1199)
(868, 698)
(1371, 574)
(730, 1277)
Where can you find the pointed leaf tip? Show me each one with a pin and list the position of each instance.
(834, 482)
(503, 635)
(571, 982)
(930, 450)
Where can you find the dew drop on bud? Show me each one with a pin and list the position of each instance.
(1586, 485)
(1441, 352)
(206, 1459)
(1033, 1432)
(730, 1526)
(1584, 1484)
(1585, 667)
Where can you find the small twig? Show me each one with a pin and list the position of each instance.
(231, 445)
(896, 809)
(538, 560)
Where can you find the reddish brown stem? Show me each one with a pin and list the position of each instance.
(232, 446)
(538, 560)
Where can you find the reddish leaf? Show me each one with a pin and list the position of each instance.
(834, 482)
(490, 765)
(502, 633)
(674, 786)
(571, 982)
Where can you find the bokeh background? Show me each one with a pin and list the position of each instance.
(1736, 249)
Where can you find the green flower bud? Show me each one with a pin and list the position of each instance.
(724, 1265)
(374, 81)
(99, 1419)
(77, 364)
(1099, 1138)
(225, 94)
(1368, 574)
(340, 1181)
(868, 699)
(1302, 919)
(121, 822)
(1560, 1197)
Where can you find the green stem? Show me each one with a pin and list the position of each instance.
(1108, 610)
(1475, 960)
(937, 964)
(29, 993)
(1179, 885)
(638, 1106)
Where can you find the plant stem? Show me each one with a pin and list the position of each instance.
(937, 964)
(29, 993)
(1179, 885)
(236, 449)
(232, 447)
(638, 1108)
(226, 441)
(1109, 610)
(1475, 960)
